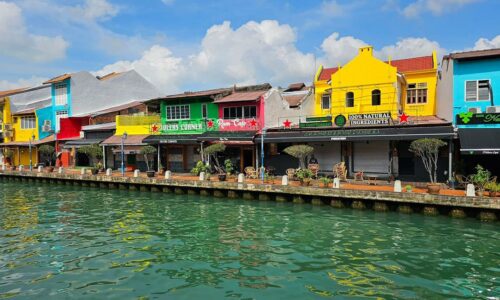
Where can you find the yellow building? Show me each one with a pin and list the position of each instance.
(367, 85)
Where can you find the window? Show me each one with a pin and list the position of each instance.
(416, 93)
(349, 99)
(477, 90)
(376, 97)
(28, 122)
(60, 115)
(325, 102)
(177, 112)
(204, 111)
(249, 112)
(246, 112)
(61, 93)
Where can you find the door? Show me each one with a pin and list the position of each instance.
(371, 157)
(175, 159)
(247, 159)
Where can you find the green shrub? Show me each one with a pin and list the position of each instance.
(148, 151)
(94, 152)
(300, 152)
(48, 152)
(200, 167)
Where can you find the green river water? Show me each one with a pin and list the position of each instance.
(59, 242)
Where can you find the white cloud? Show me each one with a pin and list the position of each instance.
(410, 47)
(94, 10)
(483, 43)
(17, 42)
(332, 8)
(436, 7)
(339, 50)
(252, 53)
(20, 83)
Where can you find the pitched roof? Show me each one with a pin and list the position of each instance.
(196, 94)
(326, 73)
(413, 64)
(116, 108)
(242, 96)
(130, 140)
(58, 78)
(294, 99)
(10, 92)
(474, 54)
(295, 87)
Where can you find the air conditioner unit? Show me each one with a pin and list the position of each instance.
(8, 134)
(476, 110)
(493, 109)
(7, 127)
(47, 123)
(46, 128)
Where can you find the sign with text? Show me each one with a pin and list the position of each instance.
(469, 118)
(370, 119)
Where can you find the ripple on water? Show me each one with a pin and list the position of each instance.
(58, 242)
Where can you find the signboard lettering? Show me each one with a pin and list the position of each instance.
(469, 118)
(370, 119)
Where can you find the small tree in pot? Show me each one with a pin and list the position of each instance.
(95, 155)
(300, 152)
(48, 153)
(8, 155)
(213, 152)
(149, 152)
(428, 150)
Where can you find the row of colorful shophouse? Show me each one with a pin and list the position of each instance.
(365, 114)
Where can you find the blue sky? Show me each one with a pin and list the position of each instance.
(189, 45)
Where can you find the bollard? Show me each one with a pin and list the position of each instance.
(109, 172)
(471, 192)
(168, 175)
(397, 186)
(241, 178)
(202, 176)
(21, 168)
(336, 183)
(83, 171)
(4, 167)
(284, 180)
(40, 169)
(61, 170)
(136, 173)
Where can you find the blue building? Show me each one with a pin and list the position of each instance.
(472, 81)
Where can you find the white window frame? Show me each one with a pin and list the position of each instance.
(61, 94)
(59, 115)
(477, 90)
(28, 122)
(329, 101)
(173, 116)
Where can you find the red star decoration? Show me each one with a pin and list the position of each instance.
(403, 118)
(154, 128)
(210, 124)
(287, 124)
(253, 123)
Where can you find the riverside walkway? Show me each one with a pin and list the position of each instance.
(353, 195)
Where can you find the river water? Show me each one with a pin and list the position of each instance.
(60, 242)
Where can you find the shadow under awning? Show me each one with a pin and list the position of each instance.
(172, 139)
(479, 140)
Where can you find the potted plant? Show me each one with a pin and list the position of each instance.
(300, 152)
(481, 179)
(94, 153)
(268, 177)
(304, 176)
(9, 157)
(428, 150)
(408, 188)
(229, 167)
(493, 188)
(324, 182)
(213, 151)
(149, 151)
(48, 152)
(200, 167)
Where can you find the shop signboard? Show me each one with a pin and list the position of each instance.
(370, 119)
(469, 118)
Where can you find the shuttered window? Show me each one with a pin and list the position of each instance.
(477, 90)
(61, 93)
(349, 99)
(28, 122)
(325, 102)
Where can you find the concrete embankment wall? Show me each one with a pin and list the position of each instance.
(484, 208)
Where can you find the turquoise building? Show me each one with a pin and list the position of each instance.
(472, 81)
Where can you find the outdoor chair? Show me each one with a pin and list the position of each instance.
(340, 171)
(250, 172)
(314, 168)
(359, 176)
(461, 181)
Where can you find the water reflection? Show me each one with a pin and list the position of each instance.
(60, 242)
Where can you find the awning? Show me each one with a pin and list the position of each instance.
(116, 140)
(358, 134)
(172, 139)
(245, 137)
(479, 140)
(81, 142)
(46, 140)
